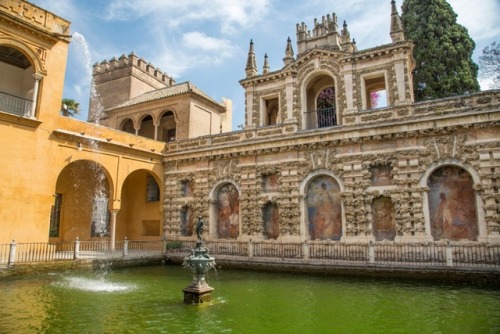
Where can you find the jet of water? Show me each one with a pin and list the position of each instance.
(96, 102)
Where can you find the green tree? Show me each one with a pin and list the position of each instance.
(489, 64)
(69, 107)
(443, 50)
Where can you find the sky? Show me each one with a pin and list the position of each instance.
(206, 41)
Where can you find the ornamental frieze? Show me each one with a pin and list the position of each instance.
(224, 169)
(442, 148)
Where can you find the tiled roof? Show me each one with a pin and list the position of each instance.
(182, 88)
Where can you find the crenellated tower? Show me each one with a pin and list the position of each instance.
(120, 80)
(324, 35)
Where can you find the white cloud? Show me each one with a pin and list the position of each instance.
(479, 17)
(230, 16)
(193, 50)
(200, 41)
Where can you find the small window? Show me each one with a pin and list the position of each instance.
(152, 190)
(375, 92)
(55, 216)
(270, 111)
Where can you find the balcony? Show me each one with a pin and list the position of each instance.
(15, 105)
(321, 118)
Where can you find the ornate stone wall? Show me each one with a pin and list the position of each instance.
(367, 162)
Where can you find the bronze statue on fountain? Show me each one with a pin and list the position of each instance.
(199, 262)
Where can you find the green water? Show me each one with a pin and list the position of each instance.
(150, 300)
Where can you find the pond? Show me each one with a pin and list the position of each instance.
(150, 300)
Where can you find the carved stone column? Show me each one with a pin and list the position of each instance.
(37, 77)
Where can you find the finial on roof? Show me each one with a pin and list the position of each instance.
(345, 39)
(288, 52)
(397, 34)
(251, 68)
(265, 68)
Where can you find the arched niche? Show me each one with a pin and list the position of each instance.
(225, 211)
(452, 205)
(271, 220)
(323, 215)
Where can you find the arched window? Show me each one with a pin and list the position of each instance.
(17, 84)
(325, 108)
(324, 209)
(228, 212)
(452, 208)
(319, 104)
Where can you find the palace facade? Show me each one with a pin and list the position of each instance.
(333, 148)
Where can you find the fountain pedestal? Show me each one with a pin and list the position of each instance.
(199, 262)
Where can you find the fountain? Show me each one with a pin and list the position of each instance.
(199, 262)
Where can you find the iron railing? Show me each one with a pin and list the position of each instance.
(321, 118)
(429, 254)
(13, 253)
(15, 105)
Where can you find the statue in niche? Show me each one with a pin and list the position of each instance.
(384, 223)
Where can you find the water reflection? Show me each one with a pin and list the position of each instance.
(140, 300)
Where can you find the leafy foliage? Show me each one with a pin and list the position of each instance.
(443, 50)
(69, 107)
(326, 99)
(375, 99)
(489, 64)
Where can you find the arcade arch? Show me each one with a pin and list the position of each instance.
(140, 216)
(81, 202)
